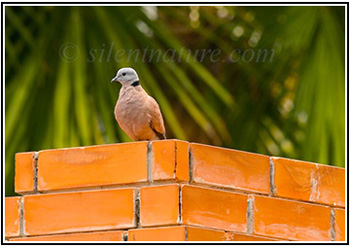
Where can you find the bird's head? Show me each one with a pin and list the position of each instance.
(126, 76)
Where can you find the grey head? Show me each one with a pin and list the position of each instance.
(127, 77)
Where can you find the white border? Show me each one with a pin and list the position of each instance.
(161, 3)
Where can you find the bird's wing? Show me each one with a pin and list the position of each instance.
(157, 123)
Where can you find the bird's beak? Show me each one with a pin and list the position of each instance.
(114, 79)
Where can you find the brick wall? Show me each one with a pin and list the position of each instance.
(172, 190)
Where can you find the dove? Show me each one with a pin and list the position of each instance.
(137, 113)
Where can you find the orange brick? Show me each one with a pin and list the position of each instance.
(202, 234)
(245, 237)
(159, 205)
(230, 168)
(331, 185)
(293, 178)
(91, 236)
(170, 160)
(182, 161)
(92, 166)
(214, 208)
(163, 160)
(81, 211)
(309, 182)
(176, 233)
(12, 212)
(24, 177)
(292, 220)
(339, 224)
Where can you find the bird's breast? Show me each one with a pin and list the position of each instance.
(131, 108)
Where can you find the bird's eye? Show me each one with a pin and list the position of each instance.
(123, 74)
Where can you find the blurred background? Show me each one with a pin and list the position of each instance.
(60, 60)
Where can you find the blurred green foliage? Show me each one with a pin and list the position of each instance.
(58, 91)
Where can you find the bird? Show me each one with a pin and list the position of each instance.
(137, 113)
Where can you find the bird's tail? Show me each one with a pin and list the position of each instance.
(161, 136)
